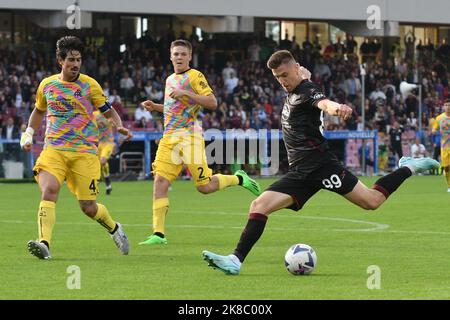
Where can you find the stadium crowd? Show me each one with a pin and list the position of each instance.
(247, 94)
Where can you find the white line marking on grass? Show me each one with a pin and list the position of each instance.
(377, 227)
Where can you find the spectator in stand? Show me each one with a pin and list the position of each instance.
(409, 46)
(417, 149)
(141, 116)
(268, 107)
(339, 47)
(228, 71)
(329, 50)
(253, 51)
(364, 49)
(377, 94)
(231, 83)
(103, 71)
(420, 50)
(411, 122)
(114, 97)
(255, 122)
(262, 115)
(106, 89)
(350, 44)
(148, 88)
(142, 123)
(127, 86)
(375, 47)
(352, 86)
(412, 104)
(234, 118)
(156, 95)
(10, 131)
(322, 69)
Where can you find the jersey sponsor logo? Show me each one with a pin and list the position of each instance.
(318, 96)
(203, 85)
(62, 105)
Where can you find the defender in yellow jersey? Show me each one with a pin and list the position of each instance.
(186, 92)
(70, 152)
(442, 124)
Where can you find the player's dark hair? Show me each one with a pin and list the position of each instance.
(181, 43)
(278, 58)
(447, 101)
(67, 44)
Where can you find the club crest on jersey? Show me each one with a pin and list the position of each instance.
(286, 112)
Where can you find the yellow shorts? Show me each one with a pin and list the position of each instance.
(81, 171)
(382, 161)
(174, 152)
(445, 157)
(105, 149)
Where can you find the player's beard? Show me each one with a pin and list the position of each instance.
(72, 74)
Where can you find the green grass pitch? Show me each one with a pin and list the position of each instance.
(408, 238)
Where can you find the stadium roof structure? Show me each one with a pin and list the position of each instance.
(414, 11)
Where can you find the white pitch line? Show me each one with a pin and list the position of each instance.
(377, 227)
(240, 227)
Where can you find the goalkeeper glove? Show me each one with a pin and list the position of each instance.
(27, 138)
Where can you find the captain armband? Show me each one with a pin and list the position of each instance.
(105, 107)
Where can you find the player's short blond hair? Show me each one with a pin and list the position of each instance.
(181, 43)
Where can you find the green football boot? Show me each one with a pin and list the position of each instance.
(248, 183)
(154, 240)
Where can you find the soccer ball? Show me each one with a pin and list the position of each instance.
(300, 259)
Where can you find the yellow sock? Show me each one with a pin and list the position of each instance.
(447, 176)
(46, 220)
(105, 170)
(160, 208)
(226, 180)
(102, 216)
